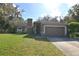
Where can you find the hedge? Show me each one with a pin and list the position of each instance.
(73, 28)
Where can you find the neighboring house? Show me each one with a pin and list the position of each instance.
(50, 28)
(19, 29)
(26, 27)
(22, 28)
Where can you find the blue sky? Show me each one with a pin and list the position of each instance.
(46, 7)
(32, 10)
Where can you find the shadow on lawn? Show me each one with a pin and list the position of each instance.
(28, 36)
(52, 39)
(39, 38)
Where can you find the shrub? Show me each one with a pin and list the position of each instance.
(72, 28)
(76, 34)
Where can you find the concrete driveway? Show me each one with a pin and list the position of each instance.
(69, 47)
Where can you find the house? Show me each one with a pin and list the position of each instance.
(47, 28)
(50, 28)
(25, 27)
(22, 28)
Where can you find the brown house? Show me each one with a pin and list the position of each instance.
(50, 28)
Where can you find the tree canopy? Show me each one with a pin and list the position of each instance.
(74, 12)
(72, 19)
(10, 17)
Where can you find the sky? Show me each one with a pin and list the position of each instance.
(32, 10)
(39, 8)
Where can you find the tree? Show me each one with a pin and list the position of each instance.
(72, 19)
(48, 18)
(74, 12)
(54, 19)
(9, 17)
(45, 18)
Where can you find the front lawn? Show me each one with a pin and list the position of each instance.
(22, 45)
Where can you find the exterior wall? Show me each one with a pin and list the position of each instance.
(19, 29)
(43, 28)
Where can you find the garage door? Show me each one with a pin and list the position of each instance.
(55, 31)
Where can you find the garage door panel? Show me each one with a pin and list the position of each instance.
(54, 31)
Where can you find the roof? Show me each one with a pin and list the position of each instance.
(52, 23)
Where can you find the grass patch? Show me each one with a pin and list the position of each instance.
(22, 45)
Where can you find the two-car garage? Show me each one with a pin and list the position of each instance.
(53, 30)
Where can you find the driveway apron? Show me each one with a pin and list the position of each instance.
(67, 46)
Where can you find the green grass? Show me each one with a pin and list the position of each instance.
(21, 45)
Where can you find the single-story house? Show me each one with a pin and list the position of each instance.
(47, 28)
(25, 27)
(21, 29)
(50, 28)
